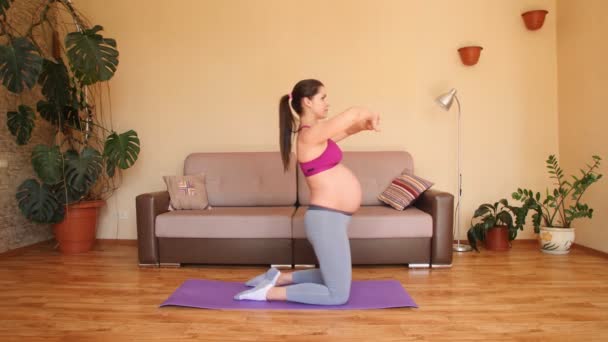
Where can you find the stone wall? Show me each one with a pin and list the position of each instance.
(15, 167)
(15, 161)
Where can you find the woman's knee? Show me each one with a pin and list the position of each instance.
(340, 297)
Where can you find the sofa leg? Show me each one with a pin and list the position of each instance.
(419, 265)
(305, 266)
(170, 264)
(281, 266)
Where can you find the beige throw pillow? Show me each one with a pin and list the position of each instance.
(187, 192)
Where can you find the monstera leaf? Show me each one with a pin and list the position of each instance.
(38, 203)
(49, 112)
(66, 195)
(69, 115)
(55, 83)
(121, 150)
(93, 58)
(82, 170)
(4, 5)
(72, 118)
(48, 163)
(21, 123)
(110, 166)
(20, 65)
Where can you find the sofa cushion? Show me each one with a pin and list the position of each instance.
(187, 192)
(226, 222)
(235, 179)
(404, 190)
(378, 222)
(374, 170)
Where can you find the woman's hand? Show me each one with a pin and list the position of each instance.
(373, 123)
(370, 124)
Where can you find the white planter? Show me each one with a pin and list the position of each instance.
(556, 240)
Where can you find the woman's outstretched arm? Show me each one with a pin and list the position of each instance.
(339, 123)
(362, 125)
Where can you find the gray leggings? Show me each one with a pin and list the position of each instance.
(329, 284)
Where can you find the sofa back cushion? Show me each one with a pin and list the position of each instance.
(375, 171)
(245, 178)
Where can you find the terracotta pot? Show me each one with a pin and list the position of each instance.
(470, 54)
(497, 239)
(534, 19)
(76, 233)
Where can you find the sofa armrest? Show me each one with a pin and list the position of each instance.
(440, 205)
(147, 207)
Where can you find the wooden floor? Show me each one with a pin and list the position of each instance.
(522, 294)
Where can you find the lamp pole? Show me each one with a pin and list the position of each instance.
(445, 101)
(458, 247)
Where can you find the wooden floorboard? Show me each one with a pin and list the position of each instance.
(103, 295)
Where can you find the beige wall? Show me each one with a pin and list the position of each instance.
(582, 53)
(207, 75)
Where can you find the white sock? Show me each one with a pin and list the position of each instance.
(259, 292)
(270, 274)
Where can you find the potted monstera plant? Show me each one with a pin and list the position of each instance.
(496, 225)
(552, 217)
(78, 170)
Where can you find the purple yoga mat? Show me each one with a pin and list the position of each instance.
(213, 294)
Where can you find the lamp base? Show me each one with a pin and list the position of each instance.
(460, 247)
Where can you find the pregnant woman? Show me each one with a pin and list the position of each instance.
(335, 196)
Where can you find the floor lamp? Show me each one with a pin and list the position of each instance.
(445, 101)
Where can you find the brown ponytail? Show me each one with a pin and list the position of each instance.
(305, 88)
(286, 127)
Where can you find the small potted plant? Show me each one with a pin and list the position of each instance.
(496, 225)
(552, 220)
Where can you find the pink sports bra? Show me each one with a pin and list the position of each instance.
(328, 159)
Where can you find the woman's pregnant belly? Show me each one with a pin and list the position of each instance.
(336, 188)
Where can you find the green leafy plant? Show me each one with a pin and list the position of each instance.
(552, 211)
(85, 156)
(487, 216)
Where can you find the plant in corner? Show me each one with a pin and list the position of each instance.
(79, 169)
(496, 225)
(552, 220)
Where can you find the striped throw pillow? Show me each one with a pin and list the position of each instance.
(404, 190)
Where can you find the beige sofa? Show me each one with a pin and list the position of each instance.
(257, 216)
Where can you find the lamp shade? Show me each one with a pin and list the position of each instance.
(445, 100)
